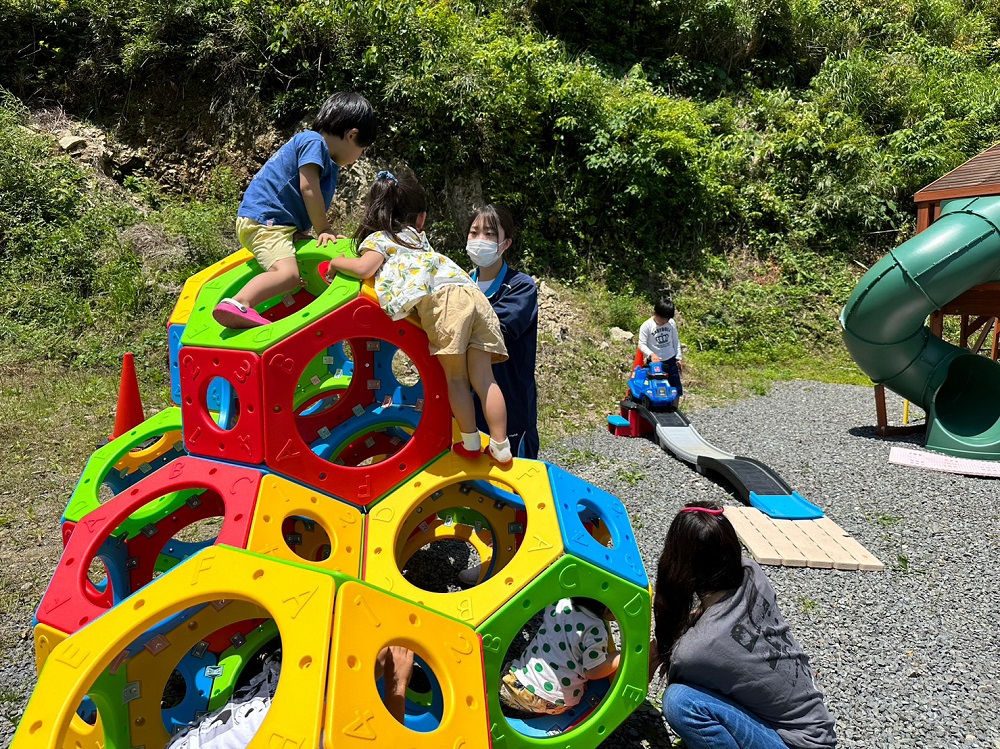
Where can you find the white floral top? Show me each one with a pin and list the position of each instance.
(409, 274)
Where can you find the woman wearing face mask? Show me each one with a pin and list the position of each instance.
(514, 297)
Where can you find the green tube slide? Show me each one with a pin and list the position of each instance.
(885, 327)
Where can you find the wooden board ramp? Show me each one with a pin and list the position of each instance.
(799, 543)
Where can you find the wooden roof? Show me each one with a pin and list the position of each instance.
(978, 176)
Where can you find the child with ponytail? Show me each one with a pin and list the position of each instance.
(461, 326)
(736, 677)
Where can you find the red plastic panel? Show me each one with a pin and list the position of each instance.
(287, 448)
(202, 436)
(71, 601)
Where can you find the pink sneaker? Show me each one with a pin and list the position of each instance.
(231, 314)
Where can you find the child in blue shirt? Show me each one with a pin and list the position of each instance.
(292, 194)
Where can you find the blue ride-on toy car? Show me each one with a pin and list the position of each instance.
(650, 387)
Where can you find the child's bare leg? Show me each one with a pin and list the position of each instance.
(494, 407)
(459, 394)
(280, 278)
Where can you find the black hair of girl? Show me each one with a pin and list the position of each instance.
(590, 605)
(701, 554)
(393, 203)
(496, 217)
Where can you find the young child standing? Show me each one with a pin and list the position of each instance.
(658, 341)
(291, 194)
(462, 328)
(572, 646)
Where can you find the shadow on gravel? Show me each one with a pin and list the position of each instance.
(869, 433)
(643, 728)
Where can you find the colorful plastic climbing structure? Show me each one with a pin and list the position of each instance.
(316, 450)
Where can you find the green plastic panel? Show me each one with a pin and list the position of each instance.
(86, 495)
(566, 578)
(202, 329)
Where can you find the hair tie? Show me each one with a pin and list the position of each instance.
(387, 175)
(702, 509)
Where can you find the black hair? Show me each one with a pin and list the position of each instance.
(345, 111)
(496, 217)
(664, 308)
(393, 203)
(590, 605)
(701, 554)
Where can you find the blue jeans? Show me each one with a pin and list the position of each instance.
(707, 720)
(674, 374)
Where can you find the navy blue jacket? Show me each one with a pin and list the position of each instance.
(514, 297)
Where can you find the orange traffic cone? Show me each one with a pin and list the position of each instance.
(129, 414)
(639, 359)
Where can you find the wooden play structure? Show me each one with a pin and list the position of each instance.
(978, 309)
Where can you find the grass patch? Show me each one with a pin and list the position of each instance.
(632, 478)
(807, 604)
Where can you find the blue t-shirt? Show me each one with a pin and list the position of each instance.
(274, 196)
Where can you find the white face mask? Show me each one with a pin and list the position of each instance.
(482, 252)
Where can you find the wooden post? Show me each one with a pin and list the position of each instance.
(881, 419)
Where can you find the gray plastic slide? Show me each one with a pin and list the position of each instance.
(756, 483)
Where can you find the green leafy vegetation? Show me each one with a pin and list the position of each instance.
(753, 160)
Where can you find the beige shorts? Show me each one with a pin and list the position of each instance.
(457, 318)
(269, 244)
(514, 694)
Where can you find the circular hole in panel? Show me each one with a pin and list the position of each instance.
(97, 575)
(192, 537)
(380, 436)
(145, 444)
(451, 540)
(404, 370)
(595, 523)
(416, 702)
(222, 403)
(323, 381)
(230, 666)
(173, 691)
(261, 650)
(306, 538)
(556, 662)
(435, 567)
(87, 711)
(105, 492)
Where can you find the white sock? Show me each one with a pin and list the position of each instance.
(501, 450)
(471, 441)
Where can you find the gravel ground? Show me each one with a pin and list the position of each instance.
(909, 657)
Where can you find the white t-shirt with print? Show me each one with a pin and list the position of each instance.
(409, 273)
(569, 642)
(661, 340)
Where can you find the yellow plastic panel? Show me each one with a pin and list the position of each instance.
(299, 600)
(81, 735)
(392, 520)
(280, 498)
(366, 620)
(185, 303)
